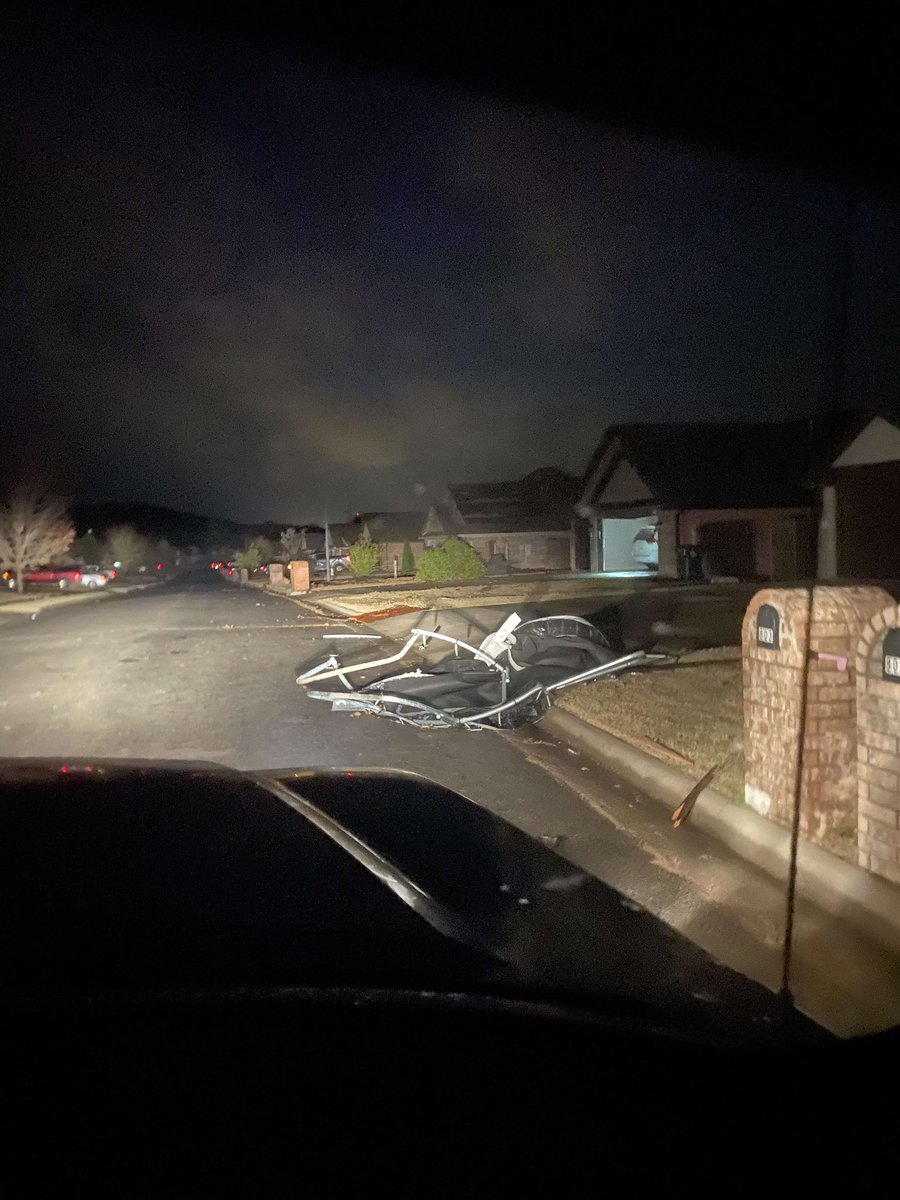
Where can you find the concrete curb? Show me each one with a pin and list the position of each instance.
(40, 602)
(329, 607)
(871, 905)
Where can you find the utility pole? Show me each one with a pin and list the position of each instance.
(836, 384)
(327, 552)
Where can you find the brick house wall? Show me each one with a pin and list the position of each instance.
(669, 565)
(387, 551)
(878, 750)
(772, 700)
(522, 551)
(782, 537)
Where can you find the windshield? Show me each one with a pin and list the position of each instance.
(553, 460)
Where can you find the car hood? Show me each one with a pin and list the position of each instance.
(191, 876)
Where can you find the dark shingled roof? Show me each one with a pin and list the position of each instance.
(394, 526)
(771, 464)
(539, 502)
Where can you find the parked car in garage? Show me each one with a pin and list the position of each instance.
(645, 547)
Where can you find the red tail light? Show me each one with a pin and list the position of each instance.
(159, 566)
(77, 574)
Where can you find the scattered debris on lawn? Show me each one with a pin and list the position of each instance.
(381, 614)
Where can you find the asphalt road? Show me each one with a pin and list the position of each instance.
(199, 669)
(202, 670)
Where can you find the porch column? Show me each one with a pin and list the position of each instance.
(595, 544)
(827, 559)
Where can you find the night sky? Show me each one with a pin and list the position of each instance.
(259, 286)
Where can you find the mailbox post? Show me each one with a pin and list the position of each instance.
(878, 767)
(776, 642)
(299, 569)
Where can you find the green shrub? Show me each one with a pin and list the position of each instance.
(363, 558)
(249, 559)
(453, 559)
(408, 563)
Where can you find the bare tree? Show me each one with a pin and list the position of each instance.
(34, 529)
(292, 543)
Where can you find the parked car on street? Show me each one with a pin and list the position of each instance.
(340, 562)
(94, 576)
(67, 576)
(61, 577)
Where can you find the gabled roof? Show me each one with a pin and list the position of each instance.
(764, 464)
(877, 442)
(342, 533)
(539, 502)
(394, 526)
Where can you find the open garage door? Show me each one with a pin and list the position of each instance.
(629, 543)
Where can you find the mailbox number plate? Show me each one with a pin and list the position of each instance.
(768, 628)
(890, 661)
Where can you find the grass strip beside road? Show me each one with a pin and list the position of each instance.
(34, 602)
(471, 595)
(689, 715)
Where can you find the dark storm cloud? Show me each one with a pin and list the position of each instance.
(264, 291)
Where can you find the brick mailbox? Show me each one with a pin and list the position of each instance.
(878, 743)
(775, 642)
(299, 569)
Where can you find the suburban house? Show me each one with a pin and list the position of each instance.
(736, 499)
(527, 521)
(392, 531)
(861, 504)
(341, 535)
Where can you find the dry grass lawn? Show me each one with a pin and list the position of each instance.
(689, 715)
(471, 595)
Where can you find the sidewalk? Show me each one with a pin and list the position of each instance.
(31, 603)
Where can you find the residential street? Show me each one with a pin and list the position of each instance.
(201, 670)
